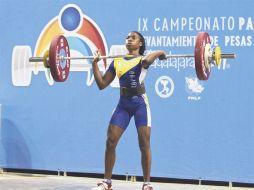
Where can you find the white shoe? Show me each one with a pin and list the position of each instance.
(103, 186)
(147, 187)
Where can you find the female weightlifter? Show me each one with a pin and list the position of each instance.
(131, 71)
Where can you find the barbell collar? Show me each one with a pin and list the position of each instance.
(36, 59)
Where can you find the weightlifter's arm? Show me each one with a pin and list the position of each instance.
(101, 81)
(148, 59)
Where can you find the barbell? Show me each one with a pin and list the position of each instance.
(58, 57)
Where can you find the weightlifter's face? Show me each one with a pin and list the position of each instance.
(132, 41)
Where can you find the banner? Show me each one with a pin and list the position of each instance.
(200, 129)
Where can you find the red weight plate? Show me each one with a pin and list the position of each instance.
(201, 70)
(59, 68)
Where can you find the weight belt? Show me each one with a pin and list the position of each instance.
(129, 92)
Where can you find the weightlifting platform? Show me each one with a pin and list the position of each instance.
(17, 181)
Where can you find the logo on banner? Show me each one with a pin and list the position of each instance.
(194, 88)
(83, 35)
(164, 86)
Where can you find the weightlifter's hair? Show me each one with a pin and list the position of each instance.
(142, 39)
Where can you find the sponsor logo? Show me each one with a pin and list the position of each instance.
(194, 88)
(164, 86)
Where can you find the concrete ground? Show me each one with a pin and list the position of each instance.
(12, 181)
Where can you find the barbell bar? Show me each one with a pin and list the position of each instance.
(41, 59)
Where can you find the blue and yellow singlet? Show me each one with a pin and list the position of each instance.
(131, 74)
(129, 71)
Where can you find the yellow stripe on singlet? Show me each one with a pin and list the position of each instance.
(124, 65)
